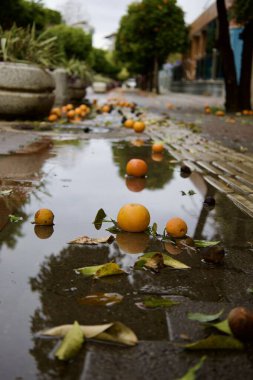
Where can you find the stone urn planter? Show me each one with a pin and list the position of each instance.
(26, 91)
(68, 88)
(76, 88)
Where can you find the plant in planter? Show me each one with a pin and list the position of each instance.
(79, 78)
(26, 87)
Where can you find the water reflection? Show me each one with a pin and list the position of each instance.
(160, 171)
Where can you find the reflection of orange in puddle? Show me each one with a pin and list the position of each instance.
(100, 299)
(157, 157)
(132, 242)
(43, 232)
(135, 184)
(138, 142)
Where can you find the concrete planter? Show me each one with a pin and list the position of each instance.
(68, 89)
(26, 91)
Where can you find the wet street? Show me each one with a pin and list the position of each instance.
(78, 174)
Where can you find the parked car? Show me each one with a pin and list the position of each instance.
(130, 83)
(99, 87)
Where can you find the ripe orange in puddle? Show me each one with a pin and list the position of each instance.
(43, 232)
(157, 147)
(44, 217)
(139, 126)
(158, 157)
(52, 117)
(136, 167)
(129, 123)
(133, 217)
(176, 227)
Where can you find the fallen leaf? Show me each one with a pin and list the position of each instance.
(217, 342)
(250, 290)
(155, 262)
(5, 192)
(92, 241)
(98, 221)
(154, 302)
(71, 343)
(201, 317)
(114, 332)
(167, 261)
(191, 373)
(97, 299)
(205, 243)
(108, 269)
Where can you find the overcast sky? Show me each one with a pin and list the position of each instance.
(104, 15)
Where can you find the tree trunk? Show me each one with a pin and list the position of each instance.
(155, 76)
(231, 87)
(246, 67)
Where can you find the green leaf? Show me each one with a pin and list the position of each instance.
(15, 219)
(167, 261)
(217, 342)
(109, 269)
(88, 271)
(205, 243)
(153, 302)
(183, 192)
(201, 317)
(71, 343)
(113, 229)
(154, 230)
(191, 373)
(98, 221)
(191, 192)
(250, 290)
(222, 326)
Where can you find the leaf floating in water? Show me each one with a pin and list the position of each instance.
(250, 290)
(71, 343)
(216, 342)
(191, 373)
(5, 192)
(114, 332)
(222, 326)
(15, 219)
(97, 299)
(167, 261)
(92, 241)
(155, 302)
(201, 317)
(98, 221)
(205, 243)
(155, 262)
(108, 269)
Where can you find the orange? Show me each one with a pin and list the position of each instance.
(208, 110)
(78, 111)
(83, 107)
(157, 157)
(132, 243)
(106, 109)
(246, 112)
(136, 167)
(219, 113)
(44, 217)
(69, 107)
(129, 123)
(52, 117)
(139, 126)
(133, 217)
(157, 147)
(176, 227)
(56, 111)
(71, 114)
(135, 184)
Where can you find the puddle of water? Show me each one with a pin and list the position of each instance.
(39, 288)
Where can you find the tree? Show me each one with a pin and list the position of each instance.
(102, 62)
(237, 95)
(24, 13)
(148, 33)
(72, 42)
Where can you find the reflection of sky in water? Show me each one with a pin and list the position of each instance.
(78, 181)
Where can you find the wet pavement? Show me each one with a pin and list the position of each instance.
(81, 173)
